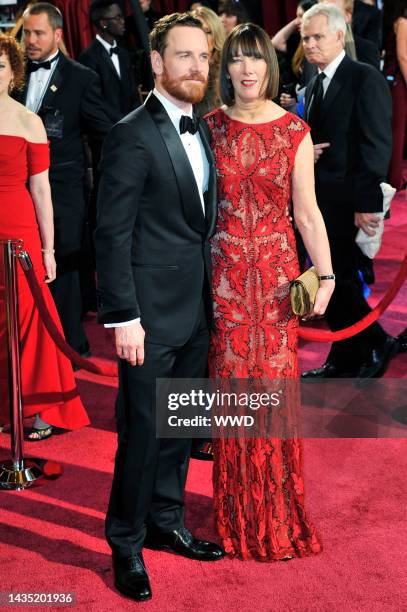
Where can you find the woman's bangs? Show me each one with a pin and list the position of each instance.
(247, 44)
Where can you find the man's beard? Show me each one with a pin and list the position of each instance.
(193, 94)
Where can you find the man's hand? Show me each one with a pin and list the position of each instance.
(368, 222)
(130, 343)
(319, 149)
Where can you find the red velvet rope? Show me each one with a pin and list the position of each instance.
(107, 370)
(314, 335)
(317, 335)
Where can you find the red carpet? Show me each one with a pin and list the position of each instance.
(51, 537)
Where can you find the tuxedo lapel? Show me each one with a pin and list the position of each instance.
(335, 86)
(308, 96)
(54, 83)
(106, 60)
(191, 202)
(210, 196)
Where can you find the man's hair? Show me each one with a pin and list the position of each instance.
(99, 8)
(252, 41)
(54, 14)
(158, 36)
(334, 15)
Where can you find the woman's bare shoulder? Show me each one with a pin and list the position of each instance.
(33, 126)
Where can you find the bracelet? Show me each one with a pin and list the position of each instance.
(48, 251)
(327, 277)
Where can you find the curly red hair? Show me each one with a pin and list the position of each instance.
(10, 47)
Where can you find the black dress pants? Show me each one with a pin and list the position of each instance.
(150, 473)
(66, 289)
(348, 305)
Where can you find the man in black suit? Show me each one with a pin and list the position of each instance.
(363, 49)
(367, 22)
(156, 213)
(67, 97)
(110, 61)
(349, 110)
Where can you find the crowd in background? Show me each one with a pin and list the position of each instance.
(376, 35)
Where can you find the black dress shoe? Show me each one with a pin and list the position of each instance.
(328, 370)
(379, 359)
(131, 577)
(402, 340)
(182, 542)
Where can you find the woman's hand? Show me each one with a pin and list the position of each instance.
(322, 298)
(50, 266)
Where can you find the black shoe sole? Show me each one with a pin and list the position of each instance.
(168, 549)
(130, 594)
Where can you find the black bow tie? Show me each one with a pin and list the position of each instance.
(113, 50)
(34, 66)
(188, 124)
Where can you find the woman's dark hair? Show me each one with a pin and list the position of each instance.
(10, 47)
(234, 7)
(306, 4)
(252, 41)
(392, 10)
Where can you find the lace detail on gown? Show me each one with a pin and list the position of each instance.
(258, 486)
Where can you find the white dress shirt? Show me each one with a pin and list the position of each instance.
(196, 155)
(38, 83)
(114, 58)
(330, 70)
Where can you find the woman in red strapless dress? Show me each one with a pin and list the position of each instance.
(48, 385)
(262, 156)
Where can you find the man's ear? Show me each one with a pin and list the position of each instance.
(157, 63)
(58, 35)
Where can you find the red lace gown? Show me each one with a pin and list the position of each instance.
(48, 383)
(258, 485)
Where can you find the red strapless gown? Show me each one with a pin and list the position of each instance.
(48, 383)
(258, 483)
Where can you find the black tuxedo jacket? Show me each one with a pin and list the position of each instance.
(367, 52)
(152, 250)
(356, 121)
(73, 102)
(119, 93)
(367, 22)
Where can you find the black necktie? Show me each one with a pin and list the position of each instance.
(113, 50)
(316, 103)
(34, 66)
(188, 124)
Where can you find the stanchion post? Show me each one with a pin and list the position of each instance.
(17, 473)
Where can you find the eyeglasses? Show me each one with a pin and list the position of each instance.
(115, 18)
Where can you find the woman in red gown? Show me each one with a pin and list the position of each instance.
(263, 156)
(48, 384)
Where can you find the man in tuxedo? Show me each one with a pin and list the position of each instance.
(349, 110)
(364, 50)
(68, 98)
(367, 22)
(156, 213)
(110, 61)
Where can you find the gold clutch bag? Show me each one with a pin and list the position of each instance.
(303, 291)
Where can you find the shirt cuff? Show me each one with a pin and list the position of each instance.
(123, 323)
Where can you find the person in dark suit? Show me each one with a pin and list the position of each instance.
(156, 213)
(68, 98)
(356, 46)
(110, 61)
(349, 110)
(367, 22)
